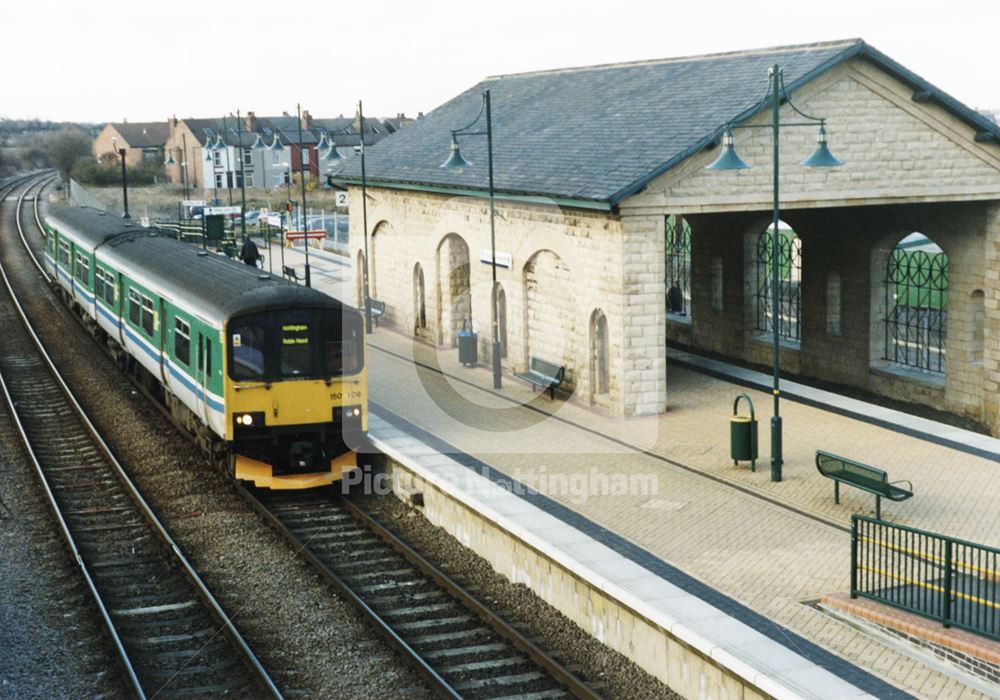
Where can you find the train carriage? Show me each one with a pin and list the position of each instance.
(270, 376)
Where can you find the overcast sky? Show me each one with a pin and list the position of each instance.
(105, 60)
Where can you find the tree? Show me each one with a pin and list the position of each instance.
(65, 148)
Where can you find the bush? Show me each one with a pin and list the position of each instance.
(104, 174)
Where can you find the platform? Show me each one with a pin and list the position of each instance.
(765, 552)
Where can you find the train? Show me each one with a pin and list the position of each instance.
(268, 376)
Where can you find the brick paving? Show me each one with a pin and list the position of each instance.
(692, 507)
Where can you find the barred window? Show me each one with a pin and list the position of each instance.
(677, 243)
(789, 282)
(916, 302)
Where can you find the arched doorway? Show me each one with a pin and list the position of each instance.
(419, 304)
(599, 369)
(454, 289)
(378, 261)
(552, 316)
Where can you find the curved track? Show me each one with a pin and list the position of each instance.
(461, 647)
(172, 637)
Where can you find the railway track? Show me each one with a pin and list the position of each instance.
(171, 636)
(462, 648)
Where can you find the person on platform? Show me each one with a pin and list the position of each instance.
(249, 253)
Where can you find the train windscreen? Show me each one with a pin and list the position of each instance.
(295, 344)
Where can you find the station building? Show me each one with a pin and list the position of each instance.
(614, 241)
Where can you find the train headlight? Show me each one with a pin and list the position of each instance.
(356, 412)
(243, 421)
(246, 419)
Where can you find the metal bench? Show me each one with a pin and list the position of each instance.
(289, 272)
(543, 373)
(376, 307)
(861, 476)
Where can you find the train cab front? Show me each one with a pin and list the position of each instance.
(296, 395)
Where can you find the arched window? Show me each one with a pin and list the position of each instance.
(916, 302)
(599, 352)
(419, 307)
(677, 249)
(789, 282)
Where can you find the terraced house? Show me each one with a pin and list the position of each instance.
(614, 241)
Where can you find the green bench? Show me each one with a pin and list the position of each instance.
(861, 476)
(290, 273)
(543, 373)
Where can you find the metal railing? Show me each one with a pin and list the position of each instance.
(942, 578)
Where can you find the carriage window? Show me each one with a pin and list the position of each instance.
(248, 346)
(83, 269)
(104, 285)
(134, 307)
(182, 341)
(64, 253)
(147, 316)
(343, 354)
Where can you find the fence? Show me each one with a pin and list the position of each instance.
(946, 579)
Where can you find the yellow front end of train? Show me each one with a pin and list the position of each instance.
(296, 396)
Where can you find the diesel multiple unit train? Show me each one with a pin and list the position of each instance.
(269, 376)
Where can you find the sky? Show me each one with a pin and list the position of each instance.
(109, 60)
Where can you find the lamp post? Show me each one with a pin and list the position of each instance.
(243, 178)
(302, 177)
(121, 154)
(729, 160)
(457, 163)
(210, 153)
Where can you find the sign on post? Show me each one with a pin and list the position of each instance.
(212, 211)
(502, 260)
(341, 199)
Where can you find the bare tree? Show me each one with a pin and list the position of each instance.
(65, 148)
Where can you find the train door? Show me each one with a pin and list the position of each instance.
(120, 300)
(161, 321)
(203, 375)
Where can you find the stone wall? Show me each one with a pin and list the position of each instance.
(566, 263)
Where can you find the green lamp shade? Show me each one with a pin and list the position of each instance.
(728, 159)
(821, 157)
(455, 160)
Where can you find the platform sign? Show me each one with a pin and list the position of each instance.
(502, 260)
(341, 199)
(213, 211)
(192, 202)
(299, 235)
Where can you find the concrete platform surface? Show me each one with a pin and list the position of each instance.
(663, 490)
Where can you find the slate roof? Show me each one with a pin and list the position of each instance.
(599, 134)
(143, 134)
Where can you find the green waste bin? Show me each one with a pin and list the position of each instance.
(743, 434)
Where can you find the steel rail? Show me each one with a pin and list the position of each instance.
(237, 641)
(561, 675)
(575, 685)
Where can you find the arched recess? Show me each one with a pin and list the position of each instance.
(419, 301)
(789, 268)
(915, 278)
(551, 313)
(600, 373)
(454, 288)
(501, 302)
(978, 326)
(378, 250)
(359, 278)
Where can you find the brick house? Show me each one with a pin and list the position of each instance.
(889, 269)
(143, 141)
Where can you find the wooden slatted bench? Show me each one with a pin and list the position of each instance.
(861, 476)
(543, 373)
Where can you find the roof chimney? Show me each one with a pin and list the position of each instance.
(307, 120)
(251, 122)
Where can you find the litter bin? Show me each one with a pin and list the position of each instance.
(468, 345)
(743, 434)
